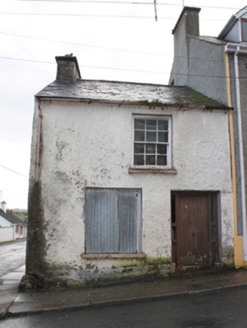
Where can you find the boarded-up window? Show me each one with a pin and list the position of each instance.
(113, 220)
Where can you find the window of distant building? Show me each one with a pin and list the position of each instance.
(244, 30)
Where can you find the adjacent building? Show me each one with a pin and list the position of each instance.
(11, 227)
(217, 67)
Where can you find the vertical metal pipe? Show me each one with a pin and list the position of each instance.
(38, 143)
(241, 150)
(155, 11)
(238, 246)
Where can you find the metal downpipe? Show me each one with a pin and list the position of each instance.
(241, 151)
(38, 143)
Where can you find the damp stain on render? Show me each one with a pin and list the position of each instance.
(36, 242)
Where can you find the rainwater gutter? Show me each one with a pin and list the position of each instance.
(237, 49)
(150, 103)
(38, 143)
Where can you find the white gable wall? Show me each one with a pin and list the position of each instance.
(4, 222)
(91, 146)
(7, 233)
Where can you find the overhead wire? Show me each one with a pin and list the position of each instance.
(104, 48)
(83, 45)
(84, 66)
(123, 69)
(93, 15)
(27, 60)
(93, 1)
(107, 2)
(76, 15)
(97, 47)
(7, 168)
(127, 3)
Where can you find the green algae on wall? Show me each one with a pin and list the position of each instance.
(36, 242)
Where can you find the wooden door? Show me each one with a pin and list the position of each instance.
(194, 228)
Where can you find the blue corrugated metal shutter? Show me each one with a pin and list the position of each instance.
(113, 220)
(129, 220)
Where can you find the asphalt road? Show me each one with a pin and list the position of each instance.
(12, 256)
(221, 309)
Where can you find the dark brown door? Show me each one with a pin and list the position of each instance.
(194, 228)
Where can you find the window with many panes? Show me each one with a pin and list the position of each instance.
(152, 141)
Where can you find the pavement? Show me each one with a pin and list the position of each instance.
(12, 302)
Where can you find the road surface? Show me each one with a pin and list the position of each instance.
(12, 256)
(216, 309)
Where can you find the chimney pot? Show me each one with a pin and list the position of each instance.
(3, 206)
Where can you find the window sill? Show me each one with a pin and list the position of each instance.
(114, 256)
(154, 170)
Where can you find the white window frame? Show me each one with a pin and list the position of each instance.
(167, 118)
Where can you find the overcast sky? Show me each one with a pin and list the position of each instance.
(112, 40)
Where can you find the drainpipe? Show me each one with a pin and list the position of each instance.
(241, 151)
(238, 245)
(38, 143)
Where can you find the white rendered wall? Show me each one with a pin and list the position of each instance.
(4, 222)
(6, 234)
(91, 146)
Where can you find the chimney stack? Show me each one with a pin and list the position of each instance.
(3, 206)
(67, 68)
(188, 22)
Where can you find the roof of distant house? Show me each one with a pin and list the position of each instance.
(127, 93)
(11, 218)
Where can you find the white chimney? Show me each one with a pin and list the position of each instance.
(3, 206)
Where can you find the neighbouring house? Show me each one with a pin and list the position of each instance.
(216, 67)
(126, 179)
(11, 227)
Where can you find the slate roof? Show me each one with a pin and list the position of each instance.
(128, 93)
(211, 39)
(11, 218)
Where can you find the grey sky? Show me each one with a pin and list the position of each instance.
(32, 33)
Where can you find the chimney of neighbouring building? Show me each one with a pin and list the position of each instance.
(3, 206)
(188, 22)
(67, 68)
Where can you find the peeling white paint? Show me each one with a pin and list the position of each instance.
(91, 145)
